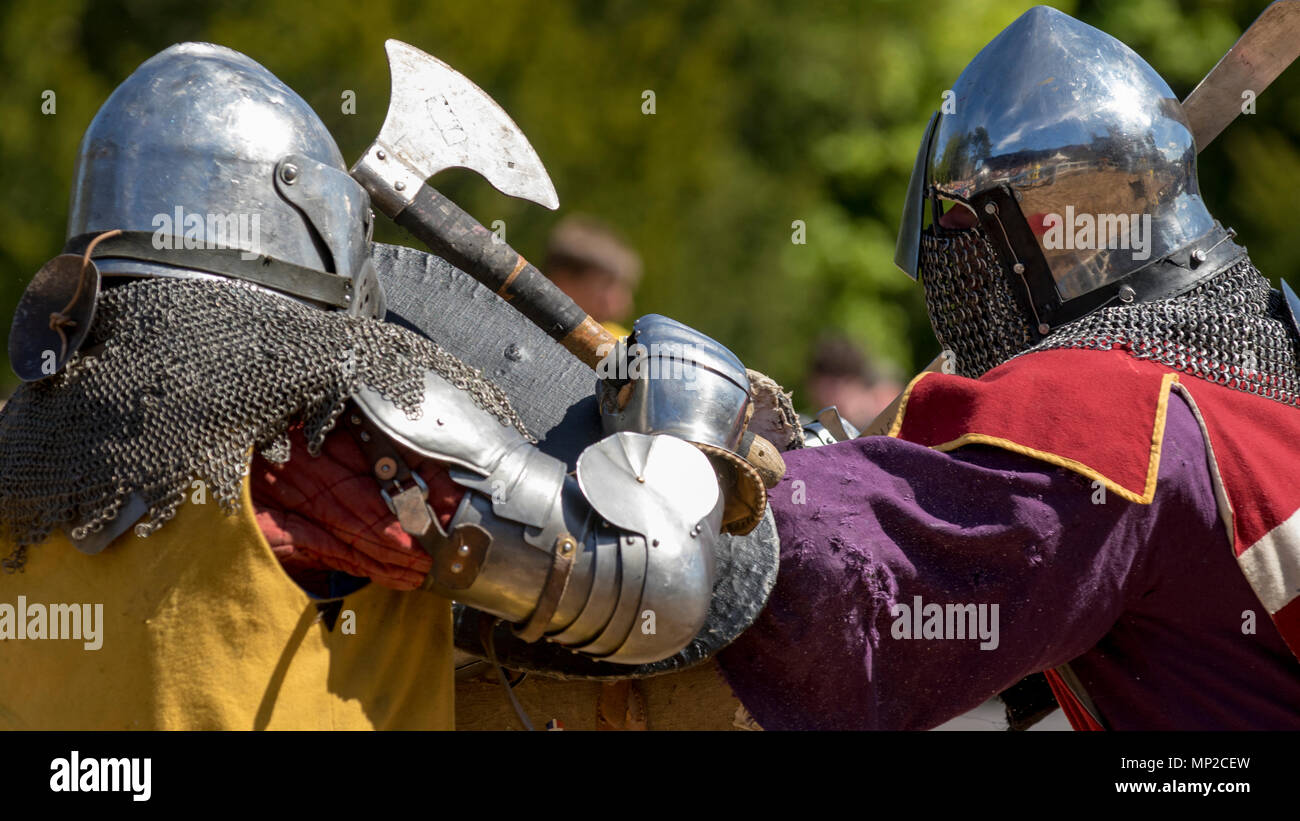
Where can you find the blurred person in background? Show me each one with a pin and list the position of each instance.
(591, 263)
(843, 376)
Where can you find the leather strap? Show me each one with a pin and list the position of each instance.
(552, 591)
(404, 491)
(458, 556)
(263, 270)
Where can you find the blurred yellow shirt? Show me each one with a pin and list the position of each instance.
(202, 629)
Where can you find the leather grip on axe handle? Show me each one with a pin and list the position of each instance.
(461, 240)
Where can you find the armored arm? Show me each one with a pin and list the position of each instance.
(616, 562)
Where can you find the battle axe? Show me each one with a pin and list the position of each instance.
(439, 119)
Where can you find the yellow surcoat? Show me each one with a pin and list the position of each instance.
(202, 629)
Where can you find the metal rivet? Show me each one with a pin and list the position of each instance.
(288, 173)
(641, 479)
(399, 185)
(365, 437)
(356, 420)
(1199, 255)
(456, 567)
(381, 154)
(440, 422)
(990, 208)
(385, 468)
(463, 550)
(566, 546)
(1126, 294)
(1019, 267)
(1043, 328)
(654, 543)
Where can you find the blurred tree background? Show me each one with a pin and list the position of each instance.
(766, 113)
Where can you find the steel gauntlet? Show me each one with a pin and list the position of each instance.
(668, 378)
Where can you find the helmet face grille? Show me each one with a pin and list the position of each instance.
(975, 314)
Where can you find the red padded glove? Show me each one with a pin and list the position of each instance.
(325, 513)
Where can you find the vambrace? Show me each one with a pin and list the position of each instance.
(615, 562)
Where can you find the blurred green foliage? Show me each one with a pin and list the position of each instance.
(766, 113)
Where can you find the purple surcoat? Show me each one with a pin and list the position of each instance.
(1146, 602)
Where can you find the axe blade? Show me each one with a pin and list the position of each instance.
(438, 118)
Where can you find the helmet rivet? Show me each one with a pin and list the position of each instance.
(463, 550)
(289, 173)
(1043, 328)
(399, 185)
(1019, 267)
(1199, 255)
(1126, 294)
(990, 208)
(456, 567)
(381, 154)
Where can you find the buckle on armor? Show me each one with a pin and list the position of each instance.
(410, 505)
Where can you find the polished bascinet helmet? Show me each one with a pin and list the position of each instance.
(209, 164)
(1079, 167)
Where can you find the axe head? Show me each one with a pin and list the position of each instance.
(438, 119)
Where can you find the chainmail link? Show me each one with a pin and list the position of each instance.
(1233, 330)
(972, 308)
(179, 380)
